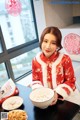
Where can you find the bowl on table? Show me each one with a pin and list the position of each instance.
(42, 97)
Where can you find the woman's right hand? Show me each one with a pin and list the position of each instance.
(55, 98)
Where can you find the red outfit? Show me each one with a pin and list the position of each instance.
(55, 72)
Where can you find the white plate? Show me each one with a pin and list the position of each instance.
(12, 103)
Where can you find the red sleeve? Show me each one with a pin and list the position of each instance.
(35, 75)
(69, 74)
(68, 85)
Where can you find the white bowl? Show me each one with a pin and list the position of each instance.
(42, 97)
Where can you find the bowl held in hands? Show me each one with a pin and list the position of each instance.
(42, 97)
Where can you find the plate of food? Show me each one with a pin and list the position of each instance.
(12, 103)
(17, 115)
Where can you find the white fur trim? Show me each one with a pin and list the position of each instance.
(61, 92)
(75, 97)
(36, 82)
(44, 69)
(54, 70)
(67, 86)
(59, 89)
(36, 86)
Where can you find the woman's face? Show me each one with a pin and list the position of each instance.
(49, 44)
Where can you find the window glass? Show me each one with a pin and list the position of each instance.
(1, 50)
(18, 29)
(0, 46)
(19, 37)
(22, 63)
(3, 74)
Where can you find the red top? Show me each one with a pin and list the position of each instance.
(55, 72)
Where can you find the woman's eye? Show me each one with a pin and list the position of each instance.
(45, 41)
(54, 43)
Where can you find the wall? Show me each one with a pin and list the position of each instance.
(58, 15)
(76, 13)
(48, 14)
(40, 16)
(76, 10)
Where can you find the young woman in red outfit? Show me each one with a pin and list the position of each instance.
(52, 69)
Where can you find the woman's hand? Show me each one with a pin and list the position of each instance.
(55, 98)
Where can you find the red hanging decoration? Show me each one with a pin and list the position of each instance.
(13, 7)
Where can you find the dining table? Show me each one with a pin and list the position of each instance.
(62, 110)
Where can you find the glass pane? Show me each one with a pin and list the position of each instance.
(0, 47)
(1, 50)
(22, 63)
(17, 29)
(3, 74)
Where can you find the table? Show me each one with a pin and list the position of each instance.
(63, 110)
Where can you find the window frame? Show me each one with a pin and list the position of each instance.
(8, 54)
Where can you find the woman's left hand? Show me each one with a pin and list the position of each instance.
(55, 98)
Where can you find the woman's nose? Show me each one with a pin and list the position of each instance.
(48, 45)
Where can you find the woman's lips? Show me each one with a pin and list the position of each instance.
(47, 51)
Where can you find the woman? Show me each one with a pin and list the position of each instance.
(52, 69)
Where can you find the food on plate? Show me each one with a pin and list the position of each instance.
(42, 97)
(41, 94)
(17, 115)
(12, 103)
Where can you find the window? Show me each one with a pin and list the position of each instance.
(3, 74)
(0, 46)
(22, 63)
(18, 41)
